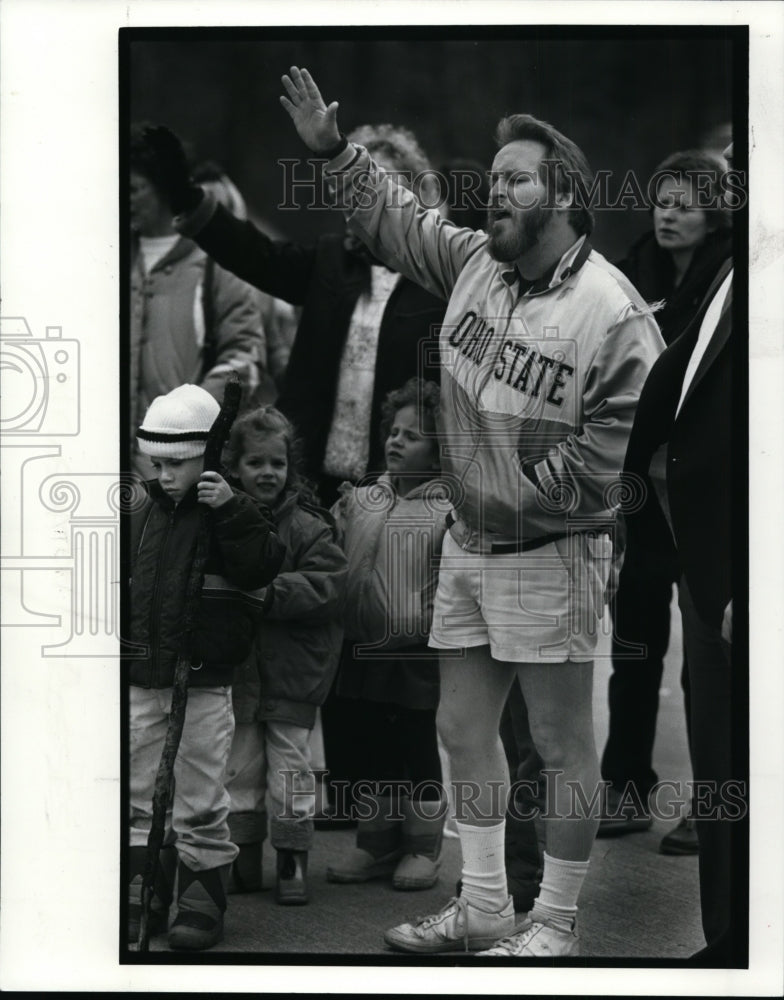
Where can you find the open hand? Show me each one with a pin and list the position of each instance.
(314, 121)
(214, 491)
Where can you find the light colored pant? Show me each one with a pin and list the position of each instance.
(197, 817)
(270, 764)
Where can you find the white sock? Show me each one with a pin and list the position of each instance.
(561, 884)
(484, 872)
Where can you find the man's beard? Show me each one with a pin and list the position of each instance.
(524, 236)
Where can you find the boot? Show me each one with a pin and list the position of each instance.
(245, 870)
(162, 890)
(423, 829)
(379, 846)
(201, 903)
(291, 886)
(247, 830)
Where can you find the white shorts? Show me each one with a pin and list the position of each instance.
(531, 607)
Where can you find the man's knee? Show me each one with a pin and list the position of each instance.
(562, 742)
(549, 736)
(449, 728)
(463, 736)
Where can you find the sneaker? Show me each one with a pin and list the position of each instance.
(537, 939)
(623, 813)
(458, 926)
(415, 871)
(682, 840)
(359, 865)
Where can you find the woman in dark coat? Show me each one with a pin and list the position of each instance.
(672, 266)
(675, 263)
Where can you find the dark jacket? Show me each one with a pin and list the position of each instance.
(650, 270)
(326, 280)
(244, 555)
(297, 642)
(698, 457)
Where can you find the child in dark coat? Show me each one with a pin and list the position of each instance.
(294, 660)
(244, 553)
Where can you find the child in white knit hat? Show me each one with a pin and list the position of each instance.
(244, 554)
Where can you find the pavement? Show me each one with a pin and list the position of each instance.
(635, 904)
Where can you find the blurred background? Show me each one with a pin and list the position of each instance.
(627, 98)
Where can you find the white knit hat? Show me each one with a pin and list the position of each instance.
(176, 425)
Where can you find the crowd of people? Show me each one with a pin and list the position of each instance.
(416, 528)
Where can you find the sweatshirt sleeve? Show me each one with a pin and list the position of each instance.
(251, 551)
(582, 472)
(275, 266)
(412, 240)
(313, 590)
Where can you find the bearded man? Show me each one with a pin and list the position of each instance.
(544, 350)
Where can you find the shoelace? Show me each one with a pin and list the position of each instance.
(424, 923)
(520, 938)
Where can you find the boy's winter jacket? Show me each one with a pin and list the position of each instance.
(297, 642)
(392, 544)
(244, 555)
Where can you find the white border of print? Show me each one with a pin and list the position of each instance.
(58, 234)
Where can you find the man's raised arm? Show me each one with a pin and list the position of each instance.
(416, 242)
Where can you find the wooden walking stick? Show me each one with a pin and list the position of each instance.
(216, 439)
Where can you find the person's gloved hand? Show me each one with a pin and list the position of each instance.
(182, 194)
